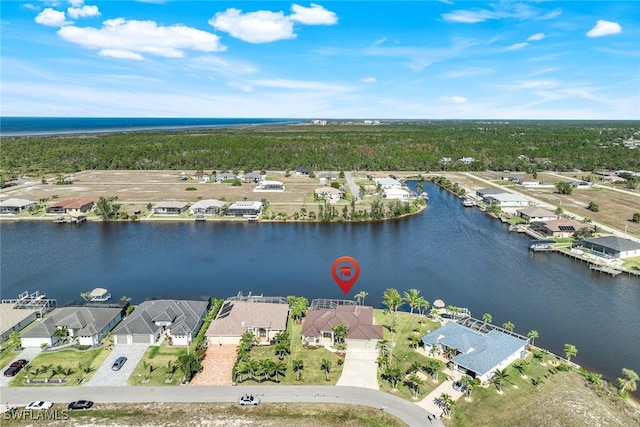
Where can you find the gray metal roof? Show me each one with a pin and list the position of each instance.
(85, 321)
(186, 316)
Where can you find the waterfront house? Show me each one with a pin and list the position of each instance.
(170, 208)
(362, 332)
(270, 186)
(245, 208)
(263, 319)
(560, 227)
(388, 182)
(13, 318)
(207, 207)
(477, 353)
(612, 246)
(303, 171)
(536, 214)
(226, 176)
(328, 193)
(396, 194)
(74, 206)
(507, 200)
(178, 320)
(15, 206)
(87, 323)
(491, 191)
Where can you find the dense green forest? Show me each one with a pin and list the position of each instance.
(419, 146)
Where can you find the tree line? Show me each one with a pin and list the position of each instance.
(517, 146)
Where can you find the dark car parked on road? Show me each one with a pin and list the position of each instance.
(80, 404)
(15, 367)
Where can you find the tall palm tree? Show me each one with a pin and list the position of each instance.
(279, 368)
(393, 376)
(360, 296)
(339, 333)
(447, 403)
(570, 351)
(434, 313)
(392, 299)
(532, 335)
(325, 366)
(500, 376)
(298, 365)
(509, 326)
(487, 318)
(414, 341)
(423, 305)
(469, 384)
(629, 382)
(411, 297)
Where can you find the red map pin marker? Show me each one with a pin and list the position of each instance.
(345, 271)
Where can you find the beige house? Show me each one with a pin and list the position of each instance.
(263, 319)
(328, 193)
(362, 332)
(562, 227)
(75, 206)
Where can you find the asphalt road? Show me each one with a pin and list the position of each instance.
(408, 412)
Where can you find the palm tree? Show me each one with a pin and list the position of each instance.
(57, 370)
(392, 299)
(414, 341)
(500, 376)
(423, 305)
(393, 376)
(538, 356)
(532, 335)
(434, 313)
(282, 349)
(339, 333)
(15, 340)
(411, 297)
(171, 369)
(325, 366)
(629, 382)
(487, 318)
(570, 351)
(509, 326)
(447, 403)
(415, 383)
(279, 368)
(469, 384)
(298, 365)
(360, 296)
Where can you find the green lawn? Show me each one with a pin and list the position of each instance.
(403, 355)
(632, 263)
(7, 355)
(158, 357)
(68, 360)
(311, 374)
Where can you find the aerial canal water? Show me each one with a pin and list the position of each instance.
(449, 252)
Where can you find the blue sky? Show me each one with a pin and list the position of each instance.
(327, 59)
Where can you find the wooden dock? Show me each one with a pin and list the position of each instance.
(605, 269)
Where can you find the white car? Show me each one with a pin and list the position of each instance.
(249, 400)
(40, 404)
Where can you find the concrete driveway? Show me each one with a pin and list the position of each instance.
(360, 369)
(105, 376)
(29, 354)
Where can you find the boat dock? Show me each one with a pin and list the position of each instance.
(70, 219)
(605, 269)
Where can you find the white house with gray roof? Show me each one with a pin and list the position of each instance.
(87, 324)
(179, 320)
(15, 206)
(612, 246)
(479, 354)
(207, 207)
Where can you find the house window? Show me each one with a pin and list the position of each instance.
(326, 334)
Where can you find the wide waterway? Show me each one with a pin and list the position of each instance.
(449, 252)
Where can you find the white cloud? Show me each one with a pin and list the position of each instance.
(467, 72)
(604, 28)
(518, 46)
(120, 38)
(76, 3)
(83, 12)
(501, 10)
(368, 80)
(539, 84)
(52, 18)
(223, 66)
(264, 26)
(314, 15)
(536, 37)
(468, 16)
(254, 27)
(298, 85)
(454, 99)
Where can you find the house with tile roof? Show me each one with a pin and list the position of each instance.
(561, 227)
(72, 206)
(179, 320)
(478, 354)
(263, 319)
(87, 323)
(612, 246)
(362, 332)
(536, 214)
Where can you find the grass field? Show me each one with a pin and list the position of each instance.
(69, 361)
(158, 358)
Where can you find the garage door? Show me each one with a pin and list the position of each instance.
(141, 339)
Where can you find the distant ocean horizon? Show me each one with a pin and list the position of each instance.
(46, 126)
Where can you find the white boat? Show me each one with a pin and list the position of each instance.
(99, 295)
(424, 195)
(467, 202)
